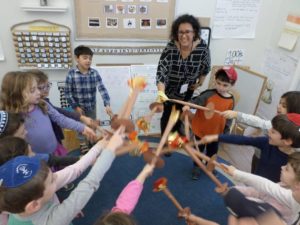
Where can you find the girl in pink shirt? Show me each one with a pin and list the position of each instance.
(127, 200)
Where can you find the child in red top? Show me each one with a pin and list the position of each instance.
(219, 99)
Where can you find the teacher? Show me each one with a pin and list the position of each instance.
(182, 66)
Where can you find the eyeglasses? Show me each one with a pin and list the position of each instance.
(187, 32)
(45, 87)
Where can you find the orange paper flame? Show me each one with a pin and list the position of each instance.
(133, 136)
(143, 125)
(176, 141)
(160, 184)
(137, 82)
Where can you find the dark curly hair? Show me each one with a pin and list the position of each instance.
(186, 18)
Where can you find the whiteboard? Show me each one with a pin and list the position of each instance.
(115, 80)
(248, 87)
(147, 96)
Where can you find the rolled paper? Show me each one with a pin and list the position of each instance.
(163, 98)
(156, 107)
(172, 198)
(161, 185)
(220, 187)
(187, 126)
(130, 103)
(172, 120)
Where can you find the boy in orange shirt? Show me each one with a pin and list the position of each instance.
(219, 99)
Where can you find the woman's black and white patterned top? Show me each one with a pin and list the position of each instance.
(174, 71)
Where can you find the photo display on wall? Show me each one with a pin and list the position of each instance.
(124, 19)
(42, 44)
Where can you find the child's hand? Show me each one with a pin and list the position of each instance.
(146, 172)
(89, 122)
(209, 139)
(117, 139)
(186, 108)
(229, 114)
(103, 142)
(79, 110)
(89, 133)
(229, 169)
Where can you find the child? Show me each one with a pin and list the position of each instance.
(81, 84)
(28, 185)
(19, 94)
(288, 196)
(44, 86)
(127, 201)
(267, 218)
(282, 138)
(289, 103)
(222, 100)
(14, 146)
(12, 124)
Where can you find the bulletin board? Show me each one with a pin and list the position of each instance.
(42, 44)
(124, 19)
(247, 89)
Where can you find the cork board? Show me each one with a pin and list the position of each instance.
(124, 19)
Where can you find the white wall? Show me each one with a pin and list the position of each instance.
(271, 19)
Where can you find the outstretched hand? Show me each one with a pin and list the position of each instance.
(146, 172)
(229, 114)
(228, 169)
(89, 134)
(209, 139)
(117, 139)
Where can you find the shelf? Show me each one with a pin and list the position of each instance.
(38, 8)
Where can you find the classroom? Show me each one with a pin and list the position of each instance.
(253, 44)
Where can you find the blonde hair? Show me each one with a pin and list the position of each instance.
(13, 92)
(115, 218)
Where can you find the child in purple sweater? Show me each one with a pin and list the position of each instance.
(19, 94)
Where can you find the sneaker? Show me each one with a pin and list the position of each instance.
(69, 187)
(195, 173)
(84, 148)
(169, 154)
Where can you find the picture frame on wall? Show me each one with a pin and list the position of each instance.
(205, 34)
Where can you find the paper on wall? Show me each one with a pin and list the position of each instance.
(235, 18)
(288, 40)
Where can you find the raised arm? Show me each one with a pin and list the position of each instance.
(68, 209)
(248, 119)
(130, 195)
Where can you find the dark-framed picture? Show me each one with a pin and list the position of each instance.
(205, 34)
